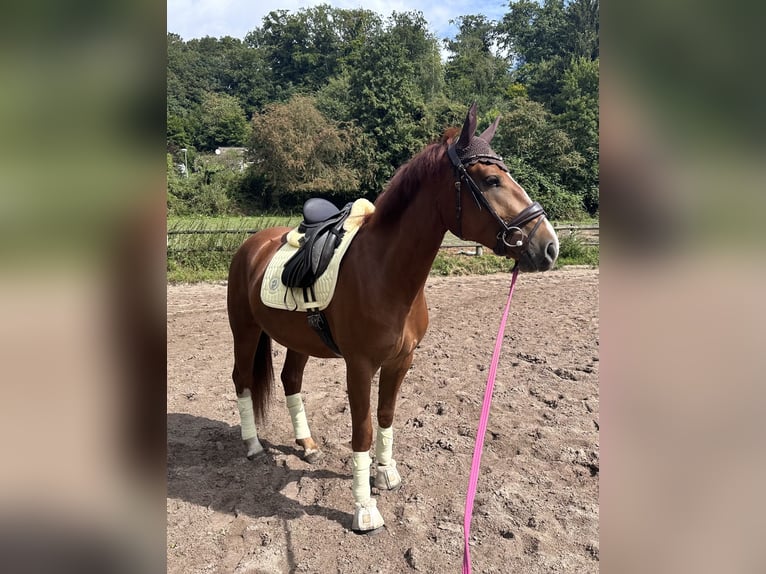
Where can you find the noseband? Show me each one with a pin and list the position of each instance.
(511, 235)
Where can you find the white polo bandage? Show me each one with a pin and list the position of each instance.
(246, 416)
(360, 462)
(298, 416)
(384, 445)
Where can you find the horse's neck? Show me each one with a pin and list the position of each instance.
(406, 248)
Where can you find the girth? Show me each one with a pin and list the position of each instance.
(318, 322)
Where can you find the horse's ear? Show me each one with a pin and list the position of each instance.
(469, 128)
(489, 133)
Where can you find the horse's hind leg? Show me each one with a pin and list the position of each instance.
(251, 376)
(292, 379)
(391, 377)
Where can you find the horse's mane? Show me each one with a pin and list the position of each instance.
(406, 181)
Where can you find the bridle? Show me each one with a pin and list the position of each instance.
(508, 236)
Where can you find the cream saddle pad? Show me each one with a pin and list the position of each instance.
(273, 291)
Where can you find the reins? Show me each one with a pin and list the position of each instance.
(482, 430)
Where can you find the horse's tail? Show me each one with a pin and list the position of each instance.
(263, 377)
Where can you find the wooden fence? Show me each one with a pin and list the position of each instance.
(588, 233)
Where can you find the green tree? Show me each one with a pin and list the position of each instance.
(558, 202)
(240, 71)
(226, 65)
(579, 100)
(528, 132)
(542, 155)
(381, 92)
(534, 32)
(583, 28)
(308, 47)
(221, 122)
(555, 46)
(388, 93)
(177, 132)
(282, 40)
(183, 89)
(410, 31)
(354, 28)
(474, 71)
(543, 39)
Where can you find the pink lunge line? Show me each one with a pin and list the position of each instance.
(482, 430)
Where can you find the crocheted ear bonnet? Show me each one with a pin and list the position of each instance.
(478, 150)
(471, 149)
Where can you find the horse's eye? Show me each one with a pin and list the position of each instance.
(492, 181)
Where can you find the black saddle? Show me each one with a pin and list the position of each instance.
(322, 227)
(316, 210)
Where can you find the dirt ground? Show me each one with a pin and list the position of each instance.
(536, 509)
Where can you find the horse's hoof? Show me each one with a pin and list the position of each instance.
(254, 448)
(374, 532)
(367, 518)
(388, 478)
(256, 455)
(312, 456)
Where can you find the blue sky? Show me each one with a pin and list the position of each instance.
(199, 18)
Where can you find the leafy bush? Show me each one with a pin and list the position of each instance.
(208, 190)
(574, 251)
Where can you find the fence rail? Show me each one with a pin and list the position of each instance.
(571, 228)
(209, 231)
(589, 233)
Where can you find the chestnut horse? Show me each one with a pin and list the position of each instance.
(378, 314)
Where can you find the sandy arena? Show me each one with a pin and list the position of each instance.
(536, 508)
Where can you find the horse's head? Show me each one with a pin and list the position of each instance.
(498, 212)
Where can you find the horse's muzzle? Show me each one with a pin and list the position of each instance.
(535, 256)
(539, 257)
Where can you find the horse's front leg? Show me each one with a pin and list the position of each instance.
(367, 518)
(391, 377)
(292, 380)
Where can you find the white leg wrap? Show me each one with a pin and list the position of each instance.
(246, 416)
(247, 421)
(386, 475)
(366, 514)
(361, 462)
(298, 416)
(384, 445)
